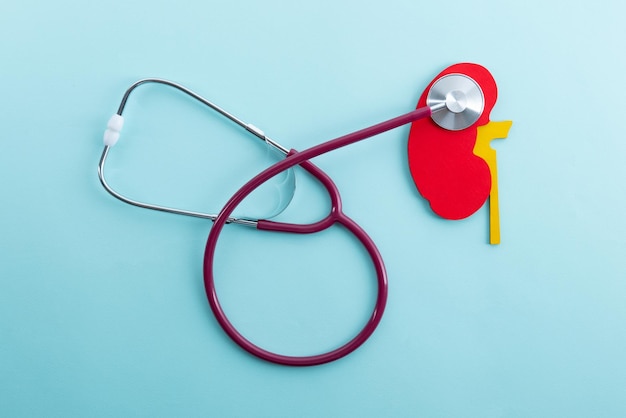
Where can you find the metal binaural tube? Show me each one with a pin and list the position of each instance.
(247, 126)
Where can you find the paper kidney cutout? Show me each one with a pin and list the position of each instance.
(455, 171)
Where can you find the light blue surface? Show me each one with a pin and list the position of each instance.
(102, 307)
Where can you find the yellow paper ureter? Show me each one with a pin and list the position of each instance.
(482, 149)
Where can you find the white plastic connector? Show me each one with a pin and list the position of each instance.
(114, 127)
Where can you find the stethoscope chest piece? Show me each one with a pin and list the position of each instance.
(457, 102)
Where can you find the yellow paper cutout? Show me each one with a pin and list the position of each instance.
(482, 149)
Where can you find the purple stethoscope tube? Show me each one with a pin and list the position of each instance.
(335, 216)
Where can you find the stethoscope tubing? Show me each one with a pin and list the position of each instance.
(335, 216)
(455, 116)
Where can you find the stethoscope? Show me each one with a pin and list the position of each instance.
(455, 102)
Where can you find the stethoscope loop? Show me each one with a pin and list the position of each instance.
(335, 216)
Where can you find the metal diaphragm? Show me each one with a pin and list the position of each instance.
(457, 101)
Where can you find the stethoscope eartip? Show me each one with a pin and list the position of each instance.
(456, 100)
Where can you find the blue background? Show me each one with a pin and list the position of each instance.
(102, 306)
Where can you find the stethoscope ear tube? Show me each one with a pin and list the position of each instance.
(112, 135)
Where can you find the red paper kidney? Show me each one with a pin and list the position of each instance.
(447, 173)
